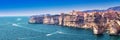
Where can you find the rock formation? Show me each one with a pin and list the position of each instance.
(36, 19)
(61, 19)
(99, 22)
(54, 19)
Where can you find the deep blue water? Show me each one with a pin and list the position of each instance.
(17, 28)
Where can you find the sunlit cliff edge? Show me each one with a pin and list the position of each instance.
(99, 21)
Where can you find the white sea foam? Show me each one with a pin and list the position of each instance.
(48, 34)
(59, 32)
(54, 33)
(16, 25)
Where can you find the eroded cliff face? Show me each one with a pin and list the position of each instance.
(96, 22)
(54, 19)
(112, 28)
(113, 24)
(61, 19)
(70, 20)
(99, 22)
(36, 19)
(73, 19)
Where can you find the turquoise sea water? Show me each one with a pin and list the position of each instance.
(17, 28)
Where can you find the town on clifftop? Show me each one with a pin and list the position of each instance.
(98, 21)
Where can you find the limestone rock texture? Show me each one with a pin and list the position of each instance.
(36, 19)
(98, 22)
(54, 19)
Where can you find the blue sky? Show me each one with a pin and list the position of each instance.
(35, 7)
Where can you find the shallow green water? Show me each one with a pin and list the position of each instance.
(17, 28)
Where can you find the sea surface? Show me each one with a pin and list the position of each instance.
(17, 28)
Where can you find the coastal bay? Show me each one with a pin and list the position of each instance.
(21, 30)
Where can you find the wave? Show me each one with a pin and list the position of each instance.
(16, 25)
(49, 34)
(57, 32)
(60, 32)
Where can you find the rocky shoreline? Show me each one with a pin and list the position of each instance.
(99, 22)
